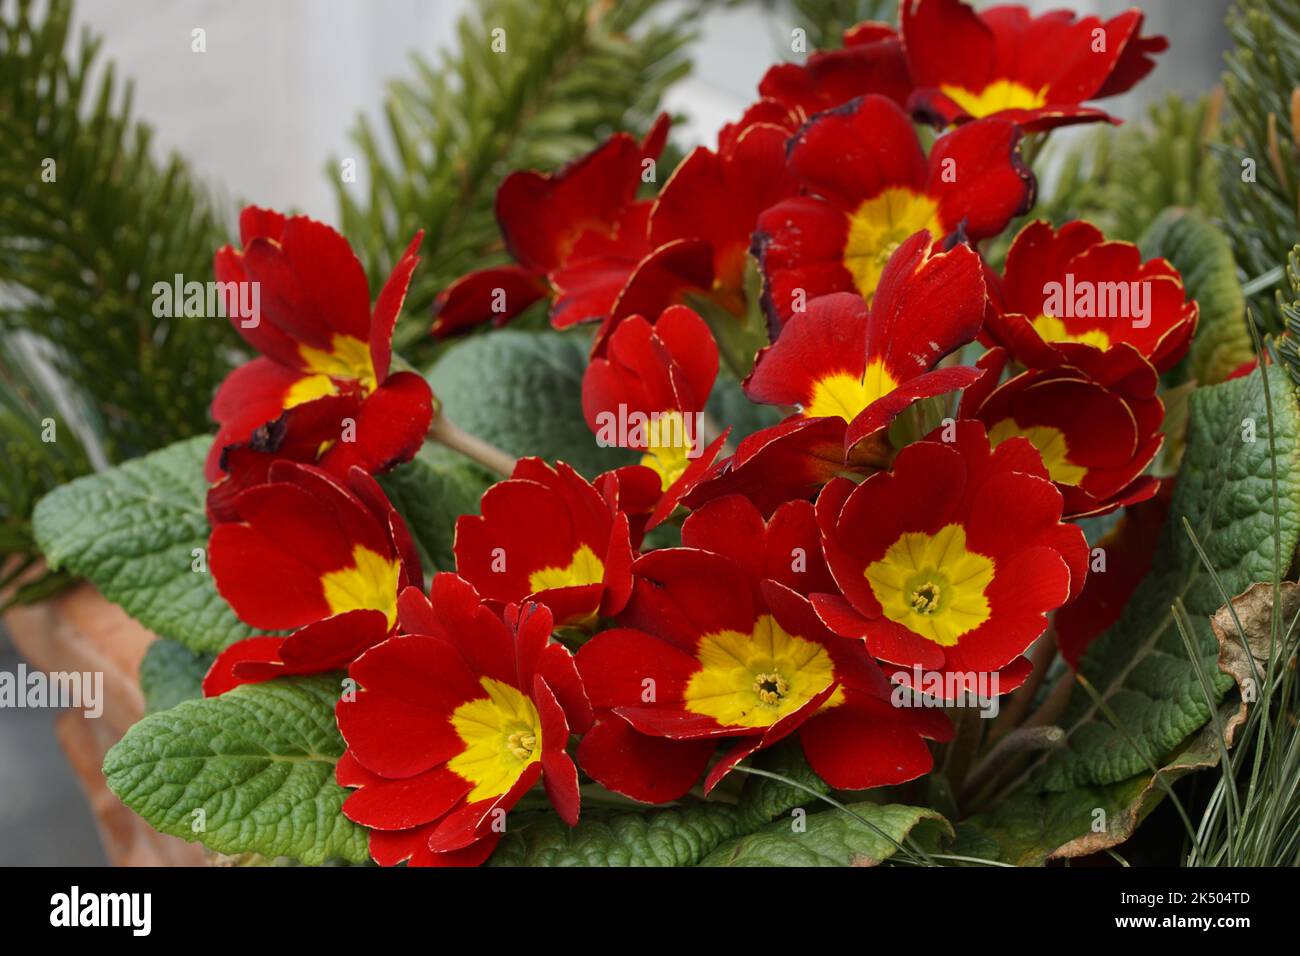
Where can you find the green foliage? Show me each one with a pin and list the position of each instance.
(171, 673)
(1203, 257)
(132, 531)
(1288, 344)
(1262, 83)
(39, 450)
(678, 836)
(785, 781)
(430, 492)
(79, 255)
(522, 392)
(1251, 816)
(729, 406)
(752, 832)
(1122, 179)
(863, 834)
(574, 71)
(1032, 826)
(258, 762)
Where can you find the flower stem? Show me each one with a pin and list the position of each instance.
(445, 432)
(1041, 658)
(1019, 741)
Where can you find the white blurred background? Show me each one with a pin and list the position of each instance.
(282, 81)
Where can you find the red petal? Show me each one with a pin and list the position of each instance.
(255, 221)
(869, 743)
(399, 724)
(383, 804)
(979, 178)
(390, 427)
(312, 285)
(855, 152)
(559, 775)
(616, 664)
(650, 769)
(221, 675)
(389, 306)
(228, 267)
(542, 215)
(474, 299)
(946, 42)
(252, 395)
(829, 339)
(777, 464)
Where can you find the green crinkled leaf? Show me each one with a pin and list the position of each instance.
(259, 761)
(522, 391)
(678, 836)
(764, 798)
(831, 838)
(131, 532)
(171, 673)
(1201, 253)
(430, 492)
(1030, 828)
(1140, 665)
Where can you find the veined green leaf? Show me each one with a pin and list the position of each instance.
(132, 531)
(251, 771)
(832, 837)
(522, 391)
(171, 673)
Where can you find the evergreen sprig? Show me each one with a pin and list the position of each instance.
(571, 72)
(1288, 343)
(1261, 142)
(39, 450)
(1123, 179)
(79, 255)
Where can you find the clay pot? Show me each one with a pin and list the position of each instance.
(80, 630)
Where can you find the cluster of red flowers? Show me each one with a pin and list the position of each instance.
(825, 560)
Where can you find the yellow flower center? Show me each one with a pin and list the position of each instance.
(754, 680)
(347, 360)
(669, 448)
(932, 585)
(521, 744)
(878, 226)
(1052, 329)
(500, 733)
(1051, 444)
(585, 568)
(770, 688)
(844, 395)
(997, 96)
(369, 584)
(925, 599)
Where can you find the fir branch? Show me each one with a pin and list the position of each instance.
(39, 448)
(1261, 142)
(1123, 179)
(1288, 343)
(90, 219)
